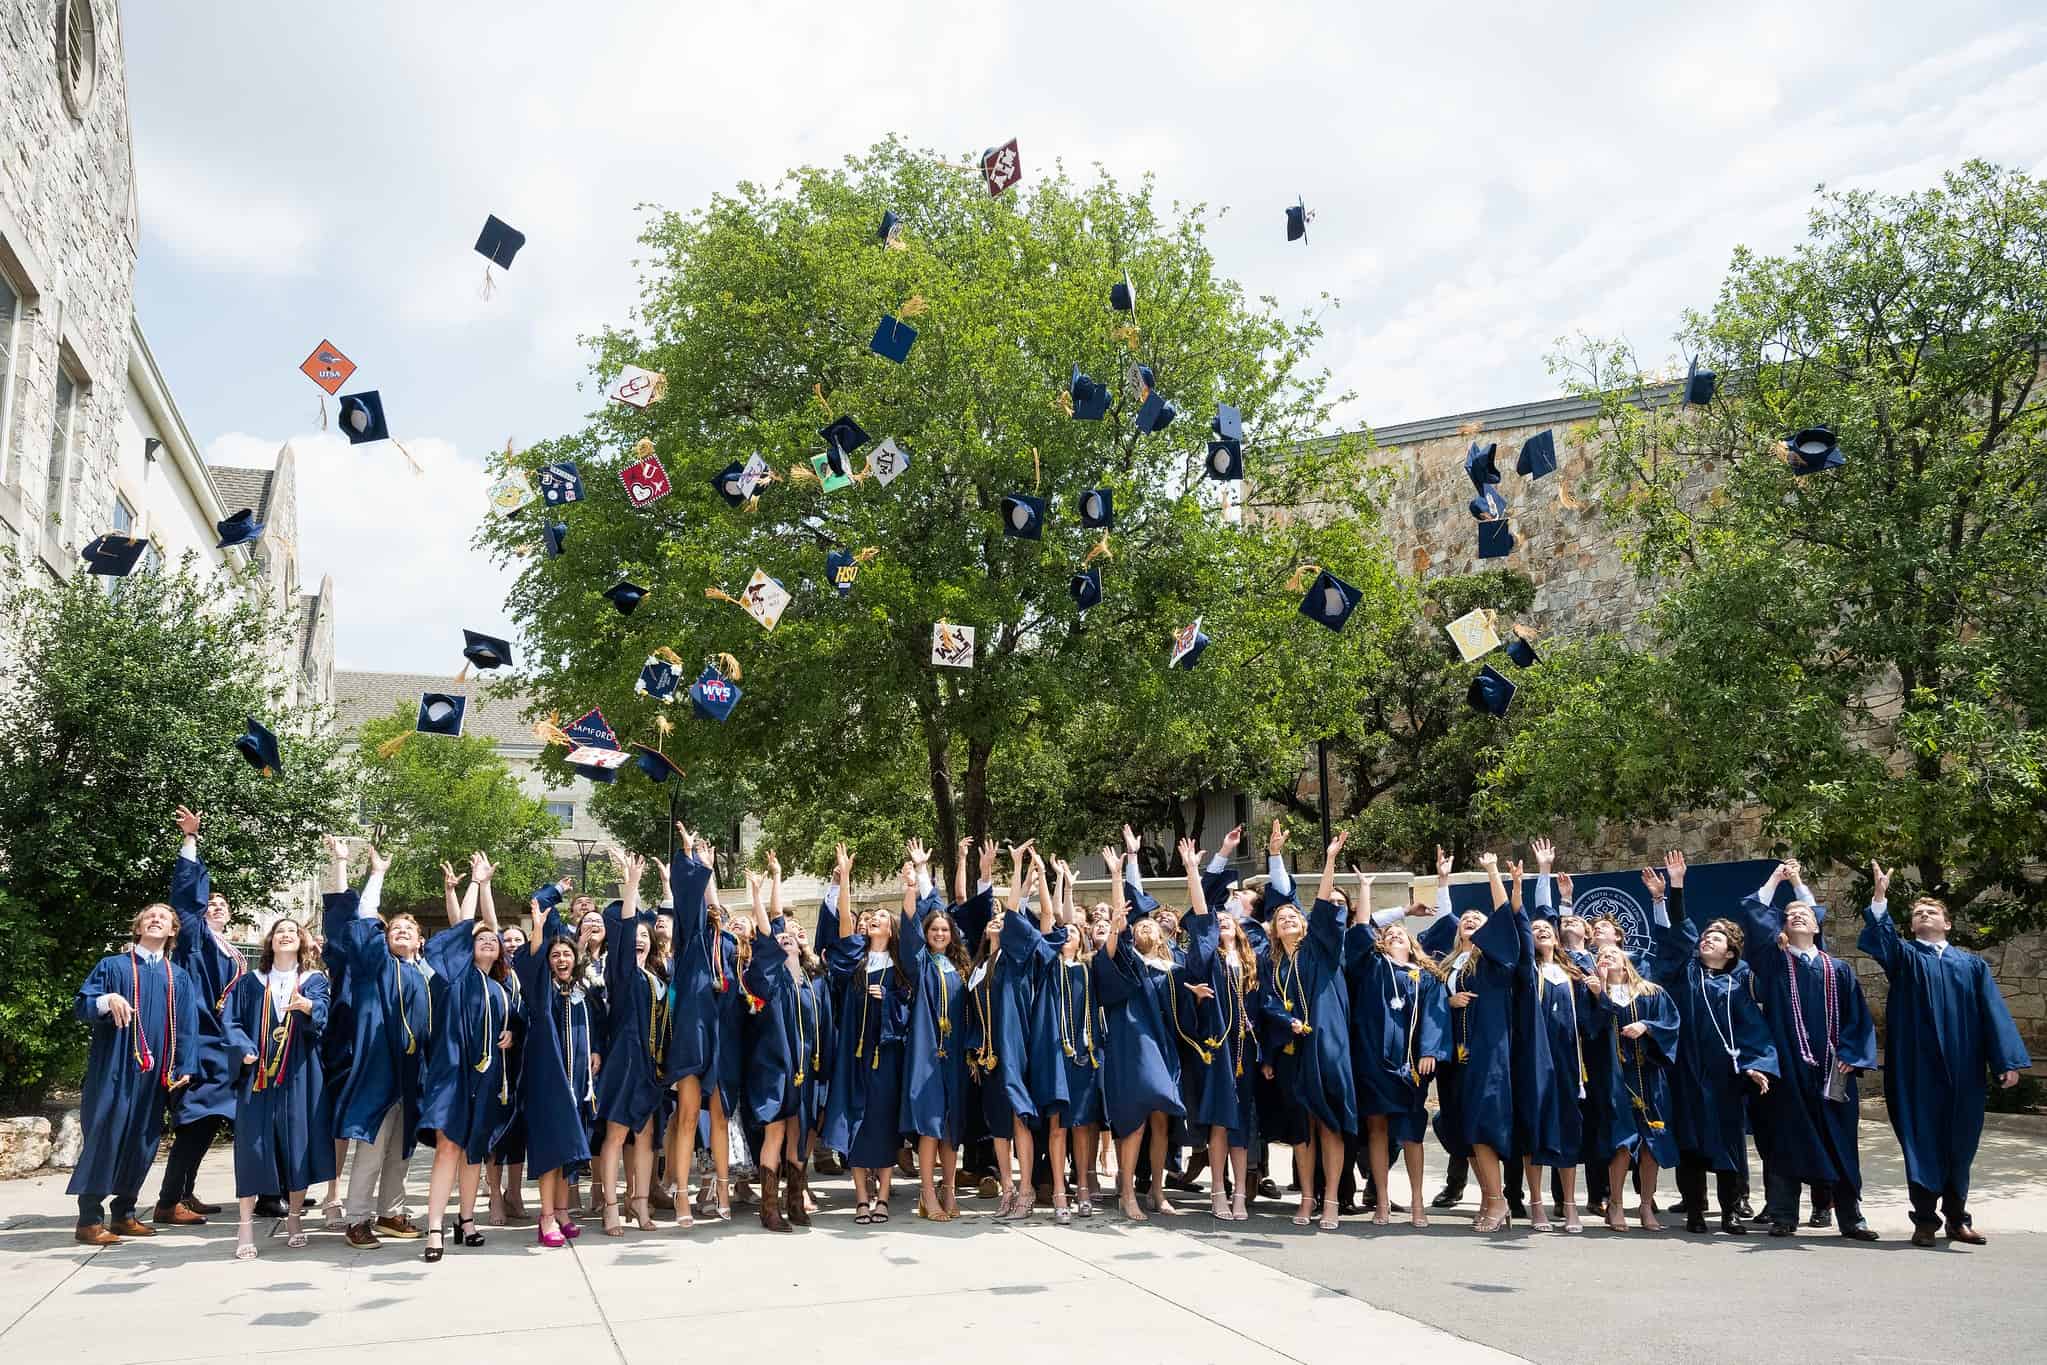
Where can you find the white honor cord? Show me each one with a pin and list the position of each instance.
(1727, 1034)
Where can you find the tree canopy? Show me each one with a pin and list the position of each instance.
(758, 309)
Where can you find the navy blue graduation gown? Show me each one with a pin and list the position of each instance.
(1549, 1117)
(629, 1087)
(698, 979)
(865, 1096)
(393, 1015)
(1633, 1074)
(1215, 1034)
(1798, 1130)
(509, 1142)
(1948, 1029)
(935, 1046)
(284, 1138)
(556, 1088)
(1399, 1015)
(121, 1109)
(214, 967)
(1475, 1091)
(784, 1046)
(999, 1010)
(466, 1094)
(1139, 1079)
(1724, 1033)
(1032, 958)
(738, 1005)
(1314, 1067)
(1083, 1030)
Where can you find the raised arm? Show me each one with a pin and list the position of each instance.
(463, 910)
(481, 870)
(451, 888)
(959, 868)
(1048, 903)
(1545, 858)
(1326, 892)
(1019, 873)
(774, 887)
(337, 863)
(842, 882)
(1190, 862)
(1879, 936)
(190, 889)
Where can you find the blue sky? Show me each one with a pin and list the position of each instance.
(1486, 178)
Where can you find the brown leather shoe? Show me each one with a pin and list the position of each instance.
(95, 1235)
(200, 1206)
(795, 1182)
(771, 1208)
(131, 1226)
(362, 1237)
(1965, 1234)
(661, 1199)
(401, 1227)
(1922, 1235)
(178, 1215)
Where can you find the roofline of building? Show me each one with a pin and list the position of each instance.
(1569, 408)
(148, 379)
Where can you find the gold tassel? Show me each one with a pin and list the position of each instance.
(549, 731)
(729, 664)
(660, 386)
(913, 307)
(1127, 334)
(1300, 578)
(1099, 550)
(720, 595)
(817, 392)
(644, 449)
(1065, 405)
(800, 473)
(323, 412)
(1037, 470)
(417, 468)
(390, 747)
(463, 676)
(489, 285)
(663, 652)
(866, 553)
(664, 725)
(1564, 498)
(753, 504)
(1471, 429)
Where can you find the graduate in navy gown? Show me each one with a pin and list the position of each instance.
(1400, 1036)
(1139, 1085)
(558, 1066)
(1030, 953)
(999, 1009)
(1551, 1005)
(1218, 973)
(1725, 1053)
(702, 987)
(871, 1005)
(629, 1082)
(144, 1013)
(199, 1109)
(283, 1140)
(504, 1167)
(1947, 1028)
(731, 937)
(1807, 1125)
(933, 1102)
(1631, 1041)
(390, 1002)
(784, 1054)
(465, 1096)
(1480, 954)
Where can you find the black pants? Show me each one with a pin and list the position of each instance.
(181, 1168)
(1357, 1161)
(1691, 1184)
(91, 1215)
(1931, 1207)
(1456, 1175)
(1780, 1200)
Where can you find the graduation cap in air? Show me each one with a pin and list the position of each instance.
(1490, 692)
(1538, 455)
(1495, 539)
(113, 555)
(625, 595)
(596, 763)
(1156, 414)
(1521, 651)
(499, 241)
(1700, 385)
(440, 713)
(1225, 461)
(259, 746)
(891, 228)
(1123, 295)
(1090, 399)
(655, 764)
(844, 437)
(486, 651)
(555, 536)
(659, 678)
(1098, 509)
(1297, 217)
(713, 694)
(1488, 504)
(1814, 450)
(1023, 516)
(728, 482)
(840, 569)
(893, 339)
(1330, 601)
(1227, 424)
(1086, 587)
(1188, 644)
(362, 417)
(1479, 465)
(240, 529)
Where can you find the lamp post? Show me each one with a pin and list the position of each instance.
(583, 847)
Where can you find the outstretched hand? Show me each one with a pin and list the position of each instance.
(1879, 881)
(1190, 853)
(379, 861)
(1652, 882)
(1130, 843)
(1275, 842)
(1545, 853)
(1674, 865)
(1444, 862)
(188, 822)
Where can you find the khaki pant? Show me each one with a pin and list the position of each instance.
(376, 1172)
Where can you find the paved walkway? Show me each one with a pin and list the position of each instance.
(1186, 1290)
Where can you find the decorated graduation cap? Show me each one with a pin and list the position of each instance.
(1098, 509)
(1188, 644)
(841, 567)
(597, 763)
(890, 232)
(440, 713)
(1086, 588)
(1297, 219)
(893, 339)
(362, 417)
(485, 652)
(560, 482)
(1814, 450)
(328, 368)
(1490, 692)
(259, 746)
(1090, 399)
(555, 538)
(1700, 385)
(1001, 167)
(113, 555)
(844, 438)
(660, 677)
(715, 693)
(240, 529)
(1538, 455)
(625, 595)
(1227, 424)
(1495, 539)
(1225, 461)
(1329, 601)
(1479, 464)
(1123, 294)
(1023, 516)
(731, 484)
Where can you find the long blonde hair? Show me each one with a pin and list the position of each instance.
(1635, 981)
(1415, 956)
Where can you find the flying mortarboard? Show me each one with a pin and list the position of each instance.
(440, 713)
(1700, 385)
(499, 241)
(1521, 650)
(554, 536)
(713, 694)
(844, 436)
(625, 595)
(1474, 634)
(362, 417)
(512, 493)
(1156, 414)
(660, 677)
(1188, 644)
(893, 339)
(561, 482)
(259, 746)
(1297, 218)
(1086, 587)
(1814, 450)
(840, 569)
(1090, 399)
(644, 478)
(240, 529)
(952, 646)
(590, 760)
(1538, 455)
(887, 461)
(1228, 423)
(1488, 504)
(1225, 461)
(655, 764)
(486, 651)
(764, 599)
(729, 483)
(328, 368)
(1123, 294)
(1495, 539)
(1490, 692)
(1001, 167)
(636, 387)
(1330, 601)
(1023, 516)
(1479, 465)
(891, 230)
(1098, 509)
(113, 555)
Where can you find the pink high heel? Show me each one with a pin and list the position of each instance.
(551, 1239)
(570, 1228)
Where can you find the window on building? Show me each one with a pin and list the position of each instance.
(63, 424)
(77, 53)
(124, 524)
(10, 316)
(563, 811)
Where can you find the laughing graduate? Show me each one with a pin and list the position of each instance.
(1140, 1081)
(871, 1004)
(933, 1104)
(284, 1142)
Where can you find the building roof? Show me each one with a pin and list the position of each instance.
(495, 711)
(241, 488)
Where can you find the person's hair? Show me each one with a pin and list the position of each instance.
(955, 951)
(577, 960)
(1730, 931)
(1640, 984)
(660, 946)
(1165, 944)
(1565, 921)
(583, 904)
(1247, 959)
(135, 925)
(1592, 927)
(501, 965)
(1556, 951)
(1938, 904)
(409, 918)
(1415, 954)
(309, 951)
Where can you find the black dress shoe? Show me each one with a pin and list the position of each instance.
(267, 1207)
(1517, 1208)
(1783, 1229)
(1266, 1188)
(199, 1208)
(1747, 1210)
(1447, 1198)
(1177, 1181)
(1821, 1218)
(1349, 1208)
(1696, 1222)
(1922, 1235)
(1861, 1232)
(1731, 1225)
(1392, 1207)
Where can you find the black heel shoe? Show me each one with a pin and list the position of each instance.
(471, 1238)
(433, 1251)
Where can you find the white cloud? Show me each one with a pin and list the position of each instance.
(220, 221)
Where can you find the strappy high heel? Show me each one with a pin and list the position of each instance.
(1329, 1216)
(614, 1225)
(643, 1219)
(434, 1250)
(471, 1238)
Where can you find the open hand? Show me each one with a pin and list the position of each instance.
(1231, 840)
(1545, 853)
(1190, 853)
(1674, 865)
(1275, 842)
(1762, 1082)
(1444, 862)
(1652, 882)
(1879, 881)
(1199, 991)
(379, 861)
(121, 1012)
(919, 855)
(188, 823)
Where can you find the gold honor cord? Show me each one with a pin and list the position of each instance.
(1414, 1015)
(1242, 1026)
(944, 1008)
(984, 1061)
(1286, 997)
(1205, 1050)
(404, 1018)
(269, 1069)
(1087, 1031)
(1638, 1094)
(656, 1015)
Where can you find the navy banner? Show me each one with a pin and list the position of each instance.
(1711, 890)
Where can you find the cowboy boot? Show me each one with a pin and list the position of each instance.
(771, 1212)
(794, 1186)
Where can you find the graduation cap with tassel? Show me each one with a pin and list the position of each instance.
(650, 760)
(328, 368)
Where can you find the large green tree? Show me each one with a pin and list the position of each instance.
(758, 308)
(1863, 650)
(124, 702)
(432, 799)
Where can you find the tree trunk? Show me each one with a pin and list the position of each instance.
(938, 752)
(980, 816)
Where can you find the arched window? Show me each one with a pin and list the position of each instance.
(77, 54)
